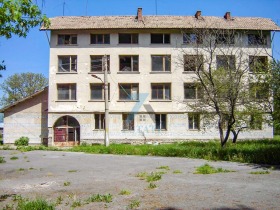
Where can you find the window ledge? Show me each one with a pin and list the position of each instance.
(99, 44)
(98, 72)
(160, 44)
(98, 129)
(101, 100)
(160, 129)
(67, 45)
(128, 72)
(129, 44)
(127, 100)
(160, 72)
(127, 130)
(190, 100)
(66, 101)
(66, 72)
(188, 72)
(193, 130)
(160, 100)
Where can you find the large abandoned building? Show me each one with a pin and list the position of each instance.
(148, 89)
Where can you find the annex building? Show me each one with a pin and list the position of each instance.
(149, 84)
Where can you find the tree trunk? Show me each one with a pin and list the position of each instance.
(235, 135)
(221, 133)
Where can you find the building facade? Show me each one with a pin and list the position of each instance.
(148, 88)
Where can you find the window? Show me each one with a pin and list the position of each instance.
(226, 62)
(128, 121)
(258, 63)
(97, 63)
(160, 38)
(160, 121)
(97, 92)
(192, 39)
(99, 121)
(129, 92)
(259, 91)
(193, 63)
(192, 91)
(194, 121)
(161, 91)
(67, 63)
(129, 63)
(67, 39)
(257, 39)
(161, 62)
(66, 92)
(225, 38)
(100, 38)
(128, 38)
(256, 121)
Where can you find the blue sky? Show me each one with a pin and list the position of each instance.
(31, 54)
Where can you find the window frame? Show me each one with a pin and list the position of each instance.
(257, 40)
(256, 122)
(164, 60)
(133, 38)
(192, 38)
(194, 121)
(161, 122)
(71, 64)
(100, 121)
(259, 92)
(254, 62)
(71, 87)
(164, 85)
(164, 37)
(196, 62)
(68, 42)
(197, 89)
(132, 85)
(133, 58)
(94, 39)
(228, 60)
(100, 56)
(225, 39)
(128, 121)
(92, 85)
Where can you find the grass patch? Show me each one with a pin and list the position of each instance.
(2, 160)
(163, 167)
(59, 200)
(154, 176)
(142, 175)
(152, 185)
(125, 192)
(21, 169)
(207, 169)
(38, 204)
(257, 151)
(259, 172)
(66, 184)
(72, 171)
(76, 204)
(14, 158)
(107, 198)
(177, 172)
(133, 204)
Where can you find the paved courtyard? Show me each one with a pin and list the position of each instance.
(65, 178)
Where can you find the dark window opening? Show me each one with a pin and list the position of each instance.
(160, 38)
(128, 38)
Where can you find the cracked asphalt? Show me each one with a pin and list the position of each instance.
(68, 178)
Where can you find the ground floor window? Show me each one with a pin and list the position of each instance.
(194, 121)
(256, 122)
(160, 121)
(99, 120)
(128, 121)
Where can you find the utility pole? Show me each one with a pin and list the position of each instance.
(106, 137)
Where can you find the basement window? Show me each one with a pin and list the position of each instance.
(161, 62)
(129, 63)
(67, 39)
(97, 63)
(128, 38)
(66, 92)
(100, 38)
(128, 121)
(67, 63)
(160, 38)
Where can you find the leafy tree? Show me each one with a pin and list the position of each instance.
(19, 86)
(18, 17)
(229, 80)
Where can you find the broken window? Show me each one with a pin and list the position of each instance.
(129, 92)
(67, 39)
(67, 63)
(190, 38)
(258, 63)
(192, 91)
(129, 63)
(128, 38)
(97, 63)
(100, 38)
(225, 38)
(160, 121)
(66, 92)
(194, 121)
(99, 121)
(160, 38)
(257, 39)
(193, 63)
(161, 62)
(97, 92)
(226, 62)
(161, 91)
(128, 121)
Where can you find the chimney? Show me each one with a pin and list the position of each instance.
(227, 16)
(197, 14)
(139, 14)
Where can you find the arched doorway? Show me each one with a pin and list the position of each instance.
(66, 131)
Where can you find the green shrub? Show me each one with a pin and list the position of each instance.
(22, 141)
(2, 160)
(107, 198)
(38, 204)
(207, 169)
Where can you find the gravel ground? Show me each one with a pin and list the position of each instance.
(44, 173)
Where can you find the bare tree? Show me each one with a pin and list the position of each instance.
(229, 77)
